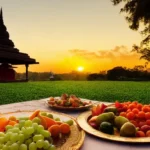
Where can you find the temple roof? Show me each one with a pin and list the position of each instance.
(8, 52)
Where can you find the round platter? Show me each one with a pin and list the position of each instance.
(74, 140)
(86, 107)
(82, 121)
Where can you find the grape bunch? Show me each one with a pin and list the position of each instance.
(26, 135)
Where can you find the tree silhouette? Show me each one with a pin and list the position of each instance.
(138, 15)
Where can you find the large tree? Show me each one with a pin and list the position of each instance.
(137, 14)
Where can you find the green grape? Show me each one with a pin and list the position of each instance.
(16, 125)
(27, 136)
(5, 147)
(15, 130)
(46, 144)
(35, 126)
(50, 115)
(23, 147)
(1, 145)
(14, 137)
(57, 119)
(9, 143)
(8, 127)
(2, 140)
(21, 138)
(14, 146)
(43, 113)
(32, 146)
(28, 123)
(40, 128)
(9, 130)
(23, 118)
(38, 137)
(21, 123)
(23, 129)
(27, 142)
(69, 122)
(30, 130)
(2, 134)
(45, 133)
(20, 132)
(52, 147)
(7, 136)
(36, 120)
(40, 143)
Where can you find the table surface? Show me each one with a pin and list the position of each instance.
(90, 143)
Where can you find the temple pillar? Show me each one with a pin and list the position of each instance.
(27, 65)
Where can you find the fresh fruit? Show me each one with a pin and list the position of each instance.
(128, 130)
(106, 127)
(49, 121)
(145, 128)
(148, 133)
(93, 119)
(64, 128)
(69, 122)
(147, 115)
(68, 101)
(119, 121)
(105, 117)
(111, 109)
(35, 114)
(54, 130)
(43, 121)
(130, 115)
(3, 122)
(140, 134)
(132, 112)
(25, 135)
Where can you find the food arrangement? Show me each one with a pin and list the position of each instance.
(67, 101)
(127, 119)
(36, 132)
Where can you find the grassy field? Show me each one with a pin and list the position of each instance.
(96, 90)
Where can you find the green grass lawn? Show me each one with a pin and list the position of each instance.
(96, 90)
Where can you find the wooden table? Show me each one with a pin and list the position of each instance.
(90, 143)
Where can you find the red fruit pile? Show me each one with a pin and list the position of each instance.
(138, 114)
(98, 109)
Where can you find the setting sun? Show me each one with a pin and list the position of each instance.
(80, 68)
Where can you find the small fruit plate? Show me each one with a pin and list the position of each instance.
(53, 104)
(82, 120)
(71, 141)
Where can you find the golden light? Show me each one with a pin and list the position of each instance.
(80, 68)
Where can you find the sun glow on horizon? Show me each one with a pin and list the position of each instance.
(80, 68)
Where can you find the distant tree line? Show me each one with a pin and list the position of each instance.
(138, 73)
(119, 73)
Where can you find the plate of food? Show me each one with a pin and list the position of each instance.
(39, 130)
(121, 122)
(66, 102)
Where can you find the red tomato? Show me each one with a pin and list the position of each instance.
(141, 115)
(135, 110)
(147, 115)
(148, 122)
(140, 134)
(146, 108)
(148, 133)
(130, 115)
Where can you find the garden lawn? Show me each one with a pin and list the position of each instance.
(109, 91)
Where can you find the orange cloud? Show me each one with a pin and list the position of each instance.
(106, 59)
(118, 51)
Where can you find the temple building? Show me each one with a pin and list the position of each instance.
(9, 55)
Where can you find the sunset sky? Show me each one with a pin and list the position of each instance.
(65, 34)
